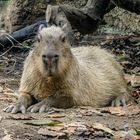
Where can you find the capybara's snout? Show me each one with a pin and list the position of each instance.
(50, 59)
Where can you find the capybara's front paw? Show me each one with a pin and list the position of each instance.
(18, 107)
(119, 101)
(39, 107)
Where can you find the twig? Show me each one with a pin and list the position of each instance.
(13, 67)
(14, 39)
(9, 48)
(6, 51)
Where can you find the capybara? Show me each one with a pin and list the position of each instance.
(56, 75)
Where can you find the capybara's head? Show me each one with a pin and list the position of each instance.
(54, 51)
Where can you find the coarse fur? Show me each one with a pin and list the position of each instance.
(89, 75)
(57, 75)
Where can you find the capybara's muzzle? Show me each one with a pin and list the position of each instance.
(50, 61)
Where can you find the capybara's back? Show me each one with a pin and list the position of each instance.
(101, 77)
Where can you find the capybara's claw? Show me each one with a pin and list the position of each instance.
(39, 107)
(15, 108)
(119, 101)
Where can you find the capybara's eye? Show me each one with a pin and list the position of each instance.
(60, 23)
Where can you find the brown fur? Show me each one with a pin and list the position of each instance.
(89, 75)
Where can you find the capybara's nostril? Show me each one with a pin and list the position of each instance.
(44, 56)
(52, 56)
(56, 56)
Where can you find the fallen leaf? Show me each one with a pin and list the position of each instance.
(133, 79)
(44, 122)
(102, 127)
(56, 128)
(132, 110)
(46, 132)
(72, 127)
(117, 110)
(20, 117)
(70, 130)
(121, 111)
(113, 110)
(54, 123)
(56, 115)
(88, 111)
(125, 138)
(137, 131)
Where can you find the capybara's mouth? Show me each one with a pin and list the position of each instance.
(51, 68)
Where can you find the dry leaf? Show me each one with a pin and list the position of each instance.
(44, 122)
(20, 117)
(56, 128)
(113, 110)
(56, 115)
(86, 112)
(102, 127)
(70, 130)
(117, 111)
(46, 132)
(121, 111)
(133, 79)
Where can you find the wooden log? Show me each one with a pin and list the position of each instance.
(20, 35)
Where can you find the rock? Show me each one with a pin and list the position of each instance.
(123, 20)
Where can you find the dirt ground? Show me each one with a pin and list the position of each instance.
(76, 123)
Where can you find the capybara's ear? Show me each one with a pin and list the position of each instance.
(41, 27)
(64, 27)
(48, 13)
